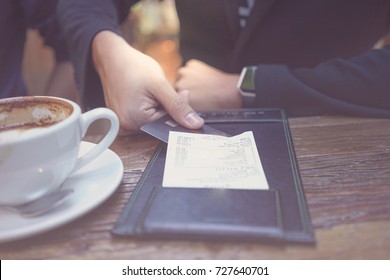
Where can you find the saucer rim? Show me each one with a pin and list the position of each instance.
(68, 214)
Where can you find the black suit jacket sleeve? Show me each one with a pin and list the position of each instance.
(358, 86)
(81, 20)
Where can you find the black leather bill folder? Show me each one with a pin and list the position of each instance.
(279, 213)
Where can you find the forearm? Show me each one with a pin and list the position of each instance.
(81, 21)
(358, 86)
(108, 50)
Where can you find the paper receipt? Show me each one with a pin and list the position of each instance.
(213, 161)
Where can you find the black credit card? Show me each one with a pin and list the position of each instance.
(160, 128)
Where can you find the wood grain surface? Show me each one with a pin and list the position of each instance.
(345, 169)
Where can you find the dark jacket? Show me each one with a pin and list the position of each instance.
(16, 16)
(314, 57)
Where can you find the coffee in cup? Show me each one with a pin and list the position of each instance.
(40, 138)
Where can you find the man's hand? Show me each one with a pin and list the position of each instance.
(134, 85)
(208, 87)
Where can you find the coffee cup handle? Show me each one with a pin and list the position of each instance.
(86, 120)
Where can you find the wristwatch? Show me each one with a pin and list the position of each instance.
(246, 86)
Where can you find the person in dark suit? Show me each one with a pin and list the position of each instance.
(309, 57)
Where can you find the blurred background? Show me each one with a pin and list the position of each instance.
(152, 27)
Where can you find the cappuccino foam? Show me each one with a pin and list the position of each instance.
(27, 115)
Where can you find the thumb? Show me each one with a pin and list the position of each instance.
(177, 105)
(191, 118)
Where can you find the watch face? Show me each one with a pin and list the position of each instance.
(248, 83)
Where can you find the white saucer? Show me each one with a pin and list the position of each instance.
(92, 185)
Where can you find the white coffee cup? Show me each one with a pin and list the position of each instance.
(39, 144)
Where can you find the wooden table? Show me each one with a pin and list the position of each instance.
(345, 168)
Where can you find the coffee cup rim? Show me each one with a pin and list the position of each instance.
(50, 129)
